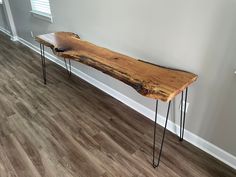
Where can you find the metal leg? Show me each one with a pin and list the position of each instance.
(154, 137)
(183, 115)
(42, 52)
(68, 69)
(163, 136)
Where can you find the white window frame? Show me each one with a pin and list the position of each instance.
(41, 15)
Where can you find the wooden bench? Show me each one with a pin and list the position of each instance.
(150, 80)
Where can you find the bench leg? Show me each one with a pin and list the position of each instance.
(183, 115)
(68, 68)
(163, 136)
(42, 53)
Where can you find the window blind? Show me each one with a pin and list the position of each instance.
(42, 6)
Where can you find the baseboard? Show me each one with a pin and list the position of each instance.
(5, 31)
(13, 38)
(199, 142)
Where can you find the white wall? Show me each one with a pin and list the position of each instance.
(3, 19)
(195, 35)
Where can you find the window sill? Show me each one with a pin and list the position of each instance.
(42, 16)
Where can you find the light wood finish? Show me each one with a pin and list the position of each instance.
(69, 128)
(151, 81)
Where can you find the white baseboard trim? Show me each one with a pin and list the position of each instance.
(5, 31)
(13, 38)
(199, 142)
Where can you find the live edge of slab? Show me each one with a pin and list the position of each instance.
(149, 80)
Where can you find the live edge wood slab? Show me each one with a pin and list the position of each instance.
(150, 80)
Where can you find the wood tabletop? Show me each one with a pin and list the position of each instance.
(150, 80)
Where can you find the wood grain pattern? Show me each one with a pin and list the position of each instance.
(151, 81)
(68, 128)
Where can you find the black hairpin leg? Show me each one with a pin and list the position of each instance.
(183, 115)
(68, 69)
(163, 136)
(42, 52)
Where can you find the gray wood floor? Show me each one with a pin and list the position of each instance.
(69, 128)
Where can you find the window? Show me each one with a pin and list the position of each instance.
(41, 9)
(0, 1)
